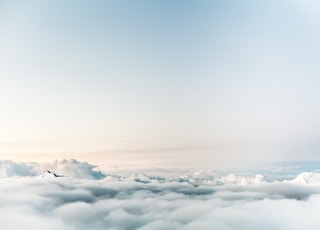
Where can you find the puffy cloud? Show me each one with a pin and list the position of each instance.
(10, 168)
(69, 168)
(157, 202)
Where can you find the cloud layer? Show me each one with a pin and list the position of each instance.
(70, 168)
(141, 201)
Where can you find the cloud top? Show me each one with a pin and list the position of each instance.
(90, 199)
(69, 168)
(68, 203)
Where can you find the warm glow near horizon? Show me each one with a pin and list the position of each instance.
(152, 115)
(193, 83)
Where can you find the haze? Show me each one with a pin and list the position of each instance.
(160, 83)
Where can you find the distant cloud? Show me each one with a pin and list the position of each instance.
(69, 168)
(153, 202)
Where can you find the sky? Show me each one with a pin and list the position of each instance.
(160, 83)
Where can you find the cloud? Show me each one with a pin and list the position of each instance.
(122, 202)
(10, 168)
(70, 168)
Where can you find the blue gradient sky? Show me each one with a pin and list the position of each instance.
(204, 83)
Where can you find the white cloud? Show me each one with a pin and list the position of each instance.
(167, 203)
(70, 168)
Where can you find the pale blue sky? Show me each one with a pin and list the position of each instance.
(192, 82)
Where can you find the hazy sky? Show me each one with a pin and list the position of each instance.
(170, 83)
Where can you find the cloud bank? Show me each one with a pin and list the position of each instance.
(143, 201)
(70, 168)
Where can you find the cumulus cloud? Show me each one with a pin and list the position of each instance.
(156, 202)
(69, 168)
